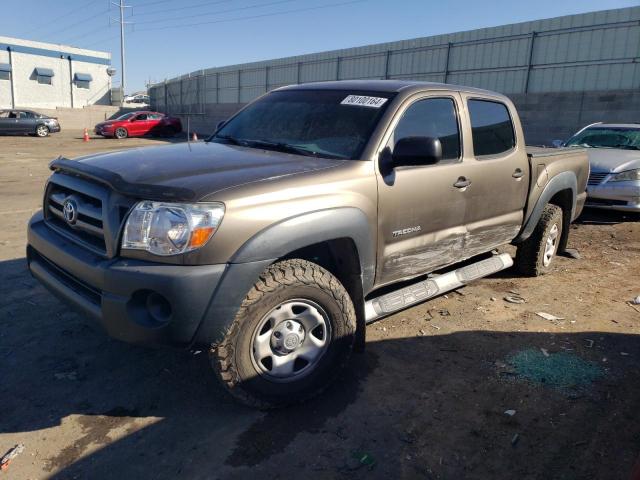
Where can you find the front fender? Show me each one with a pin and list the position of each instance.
(276, 242)
(307, 229)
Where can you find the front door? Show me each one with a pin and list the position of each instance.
(421, 214)
(139, 124)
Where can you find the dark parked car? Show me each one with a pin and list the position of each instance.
(14, 122)
(137, 124)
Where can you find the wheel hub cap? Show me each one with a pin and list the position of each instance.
(550, 245)
(287, 337)
(290, 340)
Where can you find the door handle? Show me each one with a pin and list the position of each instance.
(518, 173)
(462, 182)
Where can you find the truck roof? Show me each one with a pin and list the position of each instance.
(387, 86)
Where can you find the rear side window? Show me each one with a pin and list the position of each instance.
(432, 117)
(491, 127)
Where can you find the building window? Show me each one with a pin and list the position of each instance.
(83, 80)
(5, 71)
(44, 75)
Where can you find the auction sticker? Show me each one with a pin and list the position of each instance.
(364, 101)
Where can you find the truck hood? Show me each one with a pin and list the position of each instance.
(199, 168)
(613, 159)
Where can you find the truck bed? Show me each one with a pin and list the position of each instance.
(546, 163)
(535, 152)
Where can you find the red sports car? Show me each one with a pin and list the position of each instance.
(137, 124)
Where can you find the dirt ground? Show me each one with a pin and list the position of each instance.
(427, 399)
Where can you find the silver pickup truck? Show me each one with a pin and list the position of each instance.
(314, 210)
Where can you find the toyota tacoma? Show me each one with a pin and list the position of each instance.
(314, 210)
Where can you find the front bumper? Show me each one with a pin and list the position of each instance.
(54, 127)
(139, 301)
(104, 132)
(622, 196)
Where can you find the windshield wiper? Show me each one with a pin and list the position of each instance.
(232, 140)
(287, 148)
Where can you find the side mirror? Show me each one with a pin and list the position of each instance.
(557, 143)
(417, 151)
(220, 124)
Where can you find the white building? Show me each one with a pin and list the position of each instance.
(45, 75)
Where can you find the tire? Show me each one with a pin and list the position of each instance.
(120, 133)
(535, 255)
(276, 305)
(42, 131)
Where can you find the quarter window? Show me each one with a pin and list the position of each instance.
(432, 117)
(491, 127)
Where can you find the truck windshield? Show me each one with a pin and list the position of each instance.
(607, 137)
(321, 123)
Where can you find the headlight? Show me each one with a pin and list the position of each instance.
(171, 228)
(626, 176)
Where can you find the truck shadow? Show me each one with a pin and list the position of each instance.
(595, 216)
(418, 406)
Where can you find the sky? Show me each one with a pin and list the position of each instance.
(166, 38)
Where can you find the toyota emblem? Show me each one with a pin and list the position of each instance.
(70, 211)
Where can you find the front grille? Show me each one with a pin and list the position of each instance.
(596, 178)
(88, 228)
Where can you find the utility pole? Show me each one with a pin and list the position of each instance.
(123, 76)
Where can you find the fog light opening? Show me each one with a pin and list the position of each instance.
(158, 307)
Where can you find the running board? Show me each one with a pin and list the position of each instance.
(424, 290)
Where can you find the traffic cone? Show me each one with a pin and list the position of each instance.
(194, 137)
(85, 136)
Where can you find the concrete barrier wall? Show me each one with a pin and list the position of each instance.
(79, 118)
(545, 116)
(551, 116)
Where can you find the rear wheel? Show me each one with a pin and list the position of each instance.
(535, 255)
(42, 131)
(121, 133)
(290, 338)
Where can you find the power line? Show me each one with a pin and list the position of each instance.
(247, 7)
(53, 20)
(197, 5)
(319, 7)
(69, 27)
(153, 3)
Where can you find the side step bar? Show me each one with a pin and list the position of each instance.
(424, 290)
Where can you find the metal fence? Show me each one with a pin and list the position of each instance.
(587, 52)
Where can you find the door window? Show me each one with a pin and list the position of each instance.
(142, 116)
(432, 117)
(491, 127)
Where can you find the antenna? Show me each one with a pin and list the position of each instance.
(121, 6)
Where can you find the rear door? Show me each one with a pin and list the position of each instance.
(26, 122)
(499, 174)
(154, 122)
(421, 213)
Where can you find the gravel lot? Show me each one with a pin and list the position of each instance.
(426, 400)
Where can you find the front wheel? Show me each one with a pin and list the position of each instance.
(42, 131)
(535, 254)
(292, 335)
(120, 133)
